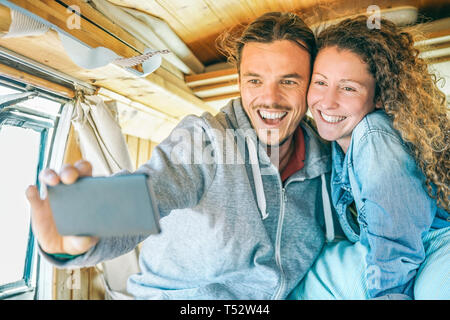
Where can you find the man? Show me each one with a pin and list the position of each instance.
(230, 230)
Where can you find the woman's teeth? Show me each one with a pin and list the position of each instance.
(332, 119)
(272, 115)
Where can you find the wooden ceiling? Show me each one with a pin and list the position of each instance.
(199, 22)
(167, 95)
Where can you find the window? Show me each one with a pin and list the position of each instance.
(27, 129)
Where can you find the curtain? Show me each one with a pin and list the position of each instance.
(103, 145)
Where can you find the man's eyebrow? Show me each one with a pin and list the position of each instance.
(289, 75)
(250, 74)
(292, 75)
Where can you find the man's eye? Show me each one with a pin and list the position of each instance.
(254, 81)
(349, 89)
(288, 82)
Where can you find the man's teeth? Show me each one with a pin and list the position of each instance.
(332, 119)
(272, 115)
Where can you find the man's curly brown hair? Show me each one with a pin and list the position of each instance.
(407, 92)
(268, 28)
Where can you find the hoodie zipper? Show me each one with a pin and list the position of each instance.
(278, 246)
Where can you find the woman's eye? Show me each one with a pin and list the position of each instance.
(320, 83)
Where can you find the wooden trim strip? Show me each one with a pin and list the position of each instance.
(209, 75)
(35, 81)
(222, 97)
(208, 87)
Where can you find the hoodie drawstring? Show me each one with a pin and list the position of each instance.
(261, 197)
(257, 180)
(329, 227)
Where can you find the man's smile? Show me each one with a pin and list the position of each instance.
(271, 117)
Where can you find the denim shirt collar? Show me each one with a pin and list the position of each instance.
(340, 164)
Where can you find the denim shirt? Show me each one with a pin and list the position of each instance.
(394, 212)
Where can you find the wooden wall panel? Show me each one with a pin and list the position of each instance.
(140, 149)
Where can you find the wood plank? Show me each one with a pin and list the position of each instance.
(80, 284)
(222, 97)
(62, 284)
(213, 76)
(35, 81)
(72, 153)
(144, 147)
(150, 150)
(208, 87)
(96, 288)
(187, 27)
(87, 11)
(5, 20)
(219, 91)
(133, 148)
(435, 29)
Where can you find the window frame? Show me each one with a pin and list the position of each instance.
(47, 126)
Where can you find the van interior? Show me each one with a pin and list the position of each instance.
(107, 80)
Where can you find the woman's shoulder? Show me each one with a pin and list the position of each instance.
(376, 123)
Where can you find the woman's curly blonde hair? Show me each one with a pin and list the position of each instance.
(407, 92)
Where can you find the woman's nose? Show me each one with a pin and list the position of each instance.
(329, 98)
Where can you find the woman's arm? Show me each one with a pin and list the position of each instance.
(395, 212)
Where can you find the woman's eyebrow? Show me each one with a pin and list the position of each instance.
(353, 81)
(318, 73)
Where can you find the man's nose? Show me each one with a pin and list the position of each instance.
(271, 94)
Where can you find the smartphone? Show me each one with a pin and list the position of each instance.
(105, 206)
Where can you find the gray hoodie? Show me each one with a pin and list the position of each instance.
(230, 228)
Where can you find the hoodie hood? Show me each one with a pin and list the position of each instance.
(317, 158)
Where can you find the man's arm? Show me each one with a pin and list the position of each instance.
(179, 181)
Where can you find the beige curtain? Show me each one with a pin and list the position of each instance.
(100, 137)
(103, 145)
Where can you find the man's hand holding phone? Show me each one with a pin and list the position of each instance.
(42, 220)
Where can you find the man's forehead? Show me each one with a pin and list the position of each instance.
(294, 44)
(283, 57)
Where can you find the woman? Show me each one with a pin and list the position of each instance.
(374, 98)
